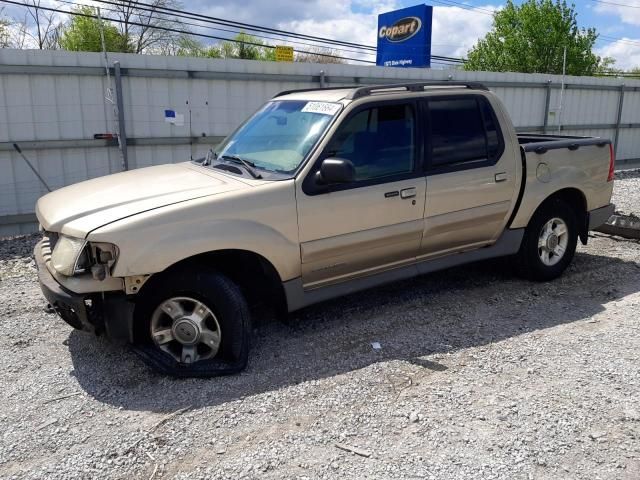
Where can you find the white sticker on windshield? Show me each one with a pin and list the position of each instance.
(326, 108)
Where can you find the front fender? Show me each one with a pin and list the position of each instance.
(162, 251)
(263, 221)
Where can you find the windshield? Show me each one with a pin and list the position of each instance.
(280, 135)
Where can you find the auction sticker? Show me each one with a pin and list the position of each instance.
(325, 108)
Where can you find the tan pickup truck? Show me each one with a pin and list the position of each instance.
(319, 194)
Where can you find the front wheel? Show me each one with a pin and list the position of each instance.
(549, 242)
(193, 323)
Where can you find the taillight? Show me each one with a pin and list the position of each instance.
(612, 163)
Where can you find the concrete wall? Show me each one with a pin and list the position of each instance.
(52, 103)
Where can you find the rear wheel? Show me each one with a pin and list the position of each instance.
(549, 242)
(193, 323)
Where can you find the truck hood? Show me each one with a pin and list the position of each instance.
(78, 209)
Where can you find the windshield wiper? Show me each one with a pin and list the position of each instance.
(248, 165)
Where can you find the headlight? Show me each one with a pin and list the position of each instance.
(66, 254)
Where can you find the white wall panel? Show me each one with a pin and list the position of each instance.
(631, 108)
(629, 144)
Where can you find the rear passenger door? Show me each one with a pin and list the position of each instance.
(470, 176)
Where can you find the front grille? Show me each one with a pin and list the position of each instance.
(49, 241)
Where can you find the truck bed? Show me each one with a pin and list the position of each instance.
(553, 163)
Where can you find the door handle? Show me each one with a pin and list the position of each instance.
(501, 177)
(408, 192)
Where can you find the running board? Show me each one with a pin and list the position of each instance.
(297, 297)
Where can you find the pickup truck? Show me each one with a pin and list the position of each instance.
(321, 193)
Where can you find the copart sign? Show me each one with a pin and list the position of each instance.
(402, 30)
(404, 37)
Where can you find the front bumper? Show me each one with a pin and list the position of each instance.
(109, 313)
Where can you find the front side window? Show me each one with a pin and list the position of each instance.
(280, 135)
(379, 141)
(457, 132)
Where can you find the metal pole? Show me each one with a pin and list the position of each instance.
(546, 107)
(122, 135)
(617, 134)
(33, 169)
(322, 80)
(564, 71)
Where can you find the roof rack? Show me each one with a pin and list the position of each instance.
(302, 90)
(359, 91)
(412, 87)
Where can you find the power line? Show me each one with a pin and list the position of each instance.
(175, 30)
(621, 40)
(200, 25)
(625, 5)
(607, 37)
(194, 33)
(149, 16)
(436, 58)
(451, 3)
(617, 39)
(247, 26)
(253, 27)
(190, 16)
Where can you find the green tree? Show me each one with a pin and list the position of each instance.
(39, 28)
(319, 55)
(247, 47)
(607, 65)
(5, 38)
(631, 73)
(82, 34)
(189, 47)
(145, 27)
(531, 38)
(243, 46)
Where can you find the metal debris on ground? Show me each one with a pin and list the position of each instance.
(357, 451)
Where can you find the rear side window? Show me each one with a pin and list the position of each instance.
(494, 138)
(462, 130)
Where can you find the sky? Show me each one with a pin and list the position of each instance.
(455, 29)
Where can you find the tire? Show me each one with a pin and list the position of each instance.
(538, 259)
(193, 323)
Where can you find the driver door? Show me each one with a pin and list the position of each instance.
(374, 223)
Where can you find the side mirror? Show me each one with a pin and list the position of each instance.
(336, 170)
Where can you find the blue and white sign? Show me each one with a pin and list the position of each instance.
(404, 37)
(170, 116)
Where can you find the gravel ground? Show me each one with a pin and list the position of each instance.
(478, 375)
(626, 193)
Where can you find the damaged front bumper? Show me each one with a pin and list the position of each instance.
(109, 313)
